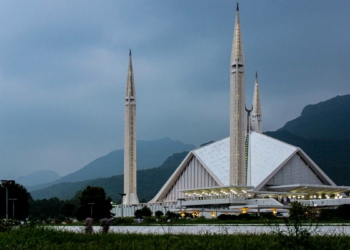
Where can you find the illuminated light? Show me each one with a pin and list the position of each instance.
(182, 215)
(212, 215)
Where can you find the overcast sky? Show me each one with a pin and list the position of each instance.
(63, 67)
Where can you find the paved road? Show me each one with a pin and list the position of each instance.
(204, 229)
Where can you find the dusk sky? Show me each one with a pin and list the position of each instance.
(63, 67)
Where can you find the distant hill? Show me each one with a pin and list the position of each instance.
(322, 131)
(325, 120)
(149, 182)
(150, 154)
(38, 177)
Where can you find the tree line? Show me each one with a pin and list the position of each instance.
(90, 202)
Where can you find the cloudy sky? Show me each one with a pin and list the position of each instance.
(63, 68)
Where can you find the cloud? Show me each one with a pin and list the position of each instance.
(63, 68)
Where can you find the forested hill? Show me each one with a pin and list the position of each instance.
(322, 131)
(149, 182)
(150, 154)
(325, 120)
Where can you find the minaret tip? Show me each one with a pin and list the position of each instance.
(237, 9)
(129, 52)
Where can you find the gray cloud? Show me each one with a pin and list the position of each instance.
(63, 69)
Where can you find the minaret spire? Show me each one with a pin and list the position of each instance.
(256, 114)
(237, 108)
(130, 139)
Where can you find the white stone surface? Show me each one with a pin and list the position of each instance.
(343, 229)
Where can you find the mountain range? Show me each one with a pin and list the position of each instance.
(149, 181)
(38, 177)
(320, 130)
(150, 154)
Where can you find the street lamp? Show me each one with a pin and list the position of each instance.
(165, 207)
(134, 208)
(5, 183)
(13, 208)
(121, 203)
(91, 208)
(181, 199)
(114, 208)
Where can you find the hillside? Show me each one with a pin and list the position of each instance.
(328, 120)
(38, 177)
(150, 154)
(149, 182)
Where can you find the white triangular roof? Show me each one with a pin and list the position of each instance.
(268, 155)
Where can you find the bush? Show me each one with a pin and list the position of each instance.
(244, 217)
(158, 214)
(227, 217)
(343, 212)
(146, 211)
(267, 215)
(327, 214)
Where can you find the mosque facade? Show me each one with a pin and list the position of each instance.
(247, 171)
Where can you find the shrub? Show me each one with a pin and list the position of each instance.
(227, 217)
(327, 214)
(343, 212)
(244, 217)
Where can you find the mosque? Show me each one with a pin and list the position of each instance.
(247, 172)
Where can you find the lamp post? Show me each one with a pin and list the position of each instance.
(91, 207)
(114, 208)
(182, 214)
(121, 203)
(134, 208)
(5, 183)
(13, 207)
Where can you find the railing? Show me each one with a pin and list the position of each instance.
(325, 202)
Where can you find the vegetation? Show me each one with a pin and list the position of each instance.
(322, 132)
(18, 192)
(47, 238)
(93, 200)
(150, 154)
(45, 209)
(326, 120)
(149, 182)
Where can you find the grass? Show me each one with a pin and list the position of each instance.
(48, 238)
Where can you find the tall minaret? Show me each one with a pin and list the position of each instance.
(130, 139)
(237, 108)
(256, 114)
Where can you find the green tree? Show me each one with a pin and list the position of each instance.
(21, 205)
(343, 212)
(146, 211)
(94, 199)
(68, 209)
(158, 214)
(46, 208)
(138, 213)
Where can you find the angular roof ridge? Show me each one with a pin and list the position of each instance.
(210, 144)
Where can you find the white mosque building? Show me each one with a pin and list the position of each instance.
(245, 172)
